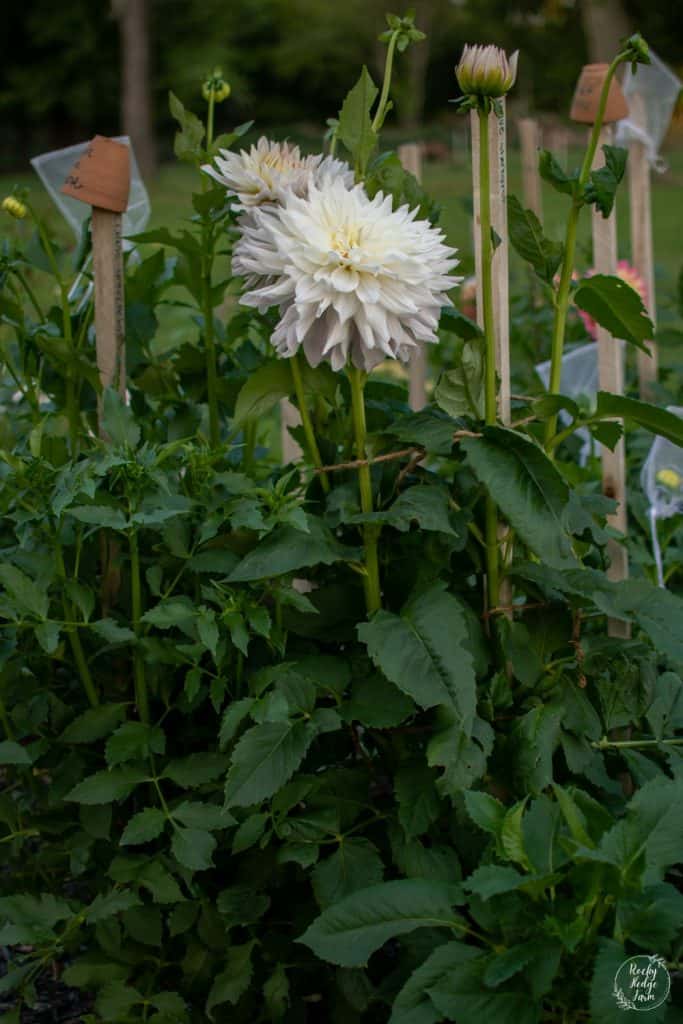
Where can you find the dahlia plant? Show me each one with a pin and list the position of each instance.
(234, 791)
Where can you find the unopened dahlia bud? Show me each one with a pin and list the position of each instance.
(14, 207)
(215, 86)
(486, 71)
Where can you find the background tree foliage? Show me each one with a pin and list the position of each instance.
(288, 60)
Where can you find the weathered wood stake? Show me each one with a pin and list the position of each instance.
(101, 178)
(530, 143)
(611, 378)
(642, 257)
(410, 156)
(501, 304)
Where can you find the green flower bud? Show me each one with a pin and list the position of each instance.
(216, 87)
(14, 207)
(486, 71)
(637, 49)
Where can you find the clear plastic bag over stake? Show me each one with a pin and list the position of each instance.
(52, 169)
(651, 94)
(579, 379)
(662, 481)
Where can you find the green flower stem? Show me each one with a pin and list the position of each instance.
(606, 744)
(562, 304)
(386, 84)
(207, 304)
(249, 446)
(70, 382)
(4, 718)
(373, 594)
(141, 697)
(209, 337)
(313, 450)
(74, 637)
(31, 294)
(490, 396)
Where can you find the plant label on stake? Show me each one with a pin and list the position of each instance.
(101, 178)
(410, 156)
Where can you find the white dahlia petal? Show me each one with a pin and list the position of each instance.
(352, 277)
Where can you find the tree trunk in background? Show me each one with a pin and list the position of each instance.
(136, 99)
(604, 22)
(411, 110)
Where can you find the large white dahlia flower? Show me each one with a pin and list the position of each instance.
(352, 277)
(268, 170)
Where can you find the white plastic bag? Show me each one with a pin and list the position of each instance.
(651, 94)
(662, 481)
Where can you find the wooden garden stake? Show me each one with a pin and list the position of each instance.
(501, 305)
(101, 178)
(641, 240)
(611, 378)
(410, 156)
(530, 143)
(289, 417)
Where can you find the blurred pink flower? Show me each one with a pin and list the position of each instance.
(627, 273)
(468, 297)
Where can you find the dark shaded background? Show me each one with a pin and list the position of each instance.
(290, 62)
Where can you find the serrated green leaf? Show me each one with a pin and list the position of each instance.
(14, 753)
(188, 141)
(107, 786)
(413, 1004)
(603, 182)
(355, 125)
(550, 171)
(99, 515)
(424, 652)
(512, 835)
(233, 716)
(133, 741)
(528, 489)
(287, 550)
(617, 307)
(462, 995)
(195, 769)
(265, 759)
(485, 811)
(526, 235)
(355, 865)
(460, 392)
(106, 905)
(94, 724)
(651, 417)
(118, 420)
(234, 981)
(115, 1000)
(349, 932)
(493, 879)
(112, 632)
(418, 800)
(193, 848)
(210, 817)
(143, 826)
(27, 594)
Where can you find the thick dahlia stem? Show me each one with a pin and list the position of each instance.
(373, 594)
(207, 304)
(140, 681)
(312, 444)
(490, 395)
(562, 303)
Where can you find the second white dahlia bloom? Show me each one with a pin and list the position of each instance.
(264, 173)
(353, 278)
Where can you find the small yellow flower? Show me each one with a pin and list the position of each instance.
(215, 86)
(14, 207)
(669, 478)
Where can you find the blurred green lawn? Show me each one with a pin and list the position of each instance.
(450, 185)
